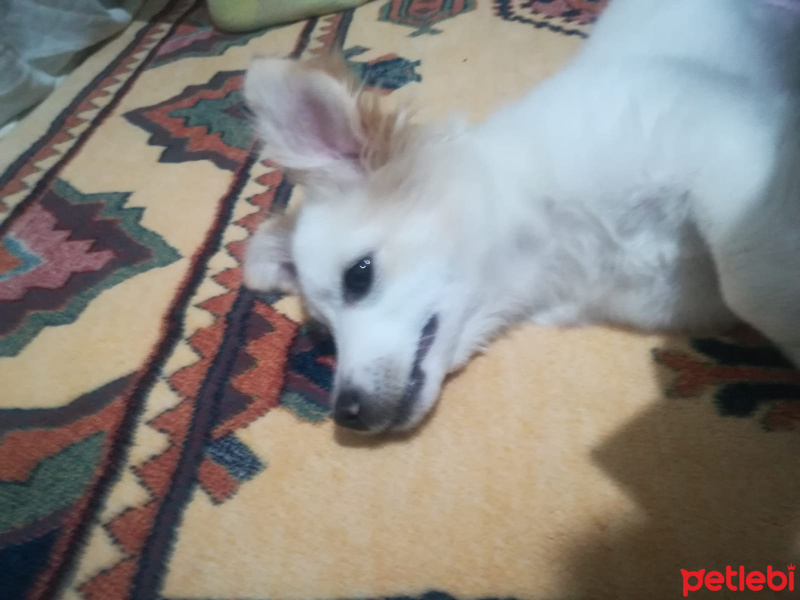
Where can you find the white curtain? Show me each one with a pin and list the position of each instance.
(41, 40)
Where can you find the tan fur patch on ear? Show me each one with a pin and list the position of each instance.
(385, 132)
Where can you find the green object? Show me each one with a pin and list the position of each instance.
(246, 15)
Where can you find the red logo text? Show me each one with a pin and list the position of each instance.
(738, 580)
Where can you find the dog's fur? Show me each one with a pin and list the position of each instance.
(653, 183)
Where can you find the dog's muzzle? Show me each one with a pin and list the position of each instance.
(353, 412)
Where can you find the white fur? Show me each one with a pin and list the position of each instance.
(654, 182)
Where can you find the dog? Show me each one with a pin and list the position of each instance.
(652, 183)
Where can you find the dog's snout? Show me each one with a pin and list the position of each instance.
(348, 411)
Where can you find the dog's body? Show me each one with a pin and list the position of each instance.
(654, 183)
(666, 125)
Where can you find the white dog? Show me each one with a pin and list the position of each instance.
(654, 183)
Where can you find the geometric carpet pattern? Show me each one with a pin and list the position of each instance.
(62, 252)
(568, 17)
(165, 433)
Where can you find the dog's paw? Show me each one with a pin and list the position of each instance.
(268, 266)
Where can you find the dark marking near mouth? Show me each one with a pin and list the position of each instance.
(417, 378)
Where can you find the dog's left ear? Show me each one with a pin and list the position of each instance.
(308, 116)
(268, 264)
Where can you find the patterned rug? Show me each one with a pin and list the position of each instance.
(164, 433)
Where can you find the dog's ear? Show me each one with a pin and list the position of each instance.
(268, 264)
(308, 116)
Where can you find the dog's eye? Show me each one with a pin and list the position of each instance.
(357, 280)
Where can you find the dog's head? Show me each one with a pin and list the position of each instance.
(379, 250)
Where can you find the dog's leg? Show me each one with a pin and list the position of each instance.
(759, 270)
(757, 254)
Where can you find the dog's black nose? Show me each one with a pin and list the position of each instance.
(348, 411)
